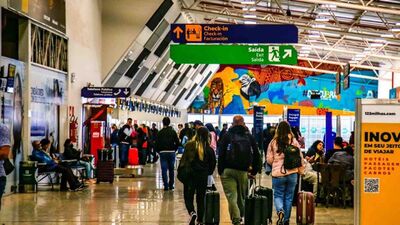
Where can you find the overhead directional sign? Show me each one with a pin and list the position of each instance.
(105, 92)
(234, 54)
(234, 33)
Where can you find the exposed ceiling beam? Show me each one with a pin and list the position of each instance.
(395, 69)
(354, 6)
(358, 35)
(348, 51)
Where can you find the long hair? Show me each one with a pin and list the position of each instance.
(202, 140)
(282, 136)
(315, 144)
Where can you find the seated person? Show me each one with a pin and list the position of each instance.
(311, 177)
(315, 153)
(38, 154)
(71, 153)
(47, 147)
(337, 146)
(345, 159)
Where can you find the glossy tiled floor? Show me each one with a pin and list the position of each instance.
(127, 201)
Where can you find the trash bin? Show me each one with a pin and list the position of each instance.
(27, 176)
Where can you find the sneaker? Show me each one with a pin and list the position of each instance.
(287, 222)
(281, 216)
(193, 217)
(166, 189)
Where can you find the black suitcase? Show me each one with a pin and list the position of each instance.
(211, 212)
(256, 206)
(105, 171)
(268, 193)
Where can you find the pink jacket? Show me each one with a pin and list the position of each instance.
(214, 139)
(276, 160)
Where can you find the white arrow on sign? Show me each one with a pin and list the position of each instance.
(119, 91)
(126, 92)
(288, 53)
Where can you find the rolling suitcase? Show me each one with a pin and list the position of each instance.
(105, 171)
(256, 207)
(305, 211)
(133, 157)
(211, 212)
(268, 193)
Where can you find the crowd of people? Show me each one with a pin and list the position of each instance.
(232, 151)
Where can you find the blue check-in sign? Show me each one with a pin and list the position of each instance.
(234, 33)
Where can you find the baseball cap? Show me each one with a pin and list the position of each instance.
(5, 139)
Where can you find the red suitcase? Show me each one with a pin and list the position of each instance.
(305, 211)
(133, 156)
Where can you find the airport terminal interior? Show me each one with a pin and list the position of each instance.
(249, 112)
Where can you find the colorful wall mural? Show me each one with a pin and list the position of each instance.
(235, 89)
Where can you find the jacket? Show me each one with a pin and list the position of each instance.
(344, 159)
(71, 153)
(276, 159)
(227, 139)
(124, 134)
(203, 167)
(167, 140)
(43, 157)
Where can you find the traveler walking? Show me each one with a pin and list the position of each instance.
(199, 157)
(238, 156)
(166, 145)
(152, 156)
(124, 135)
(286, 159)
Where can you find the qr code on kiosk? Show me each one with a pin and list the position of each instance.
(371, 185)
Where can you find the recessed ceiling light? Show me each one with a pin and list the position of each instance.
(387, 35)
(250, 22)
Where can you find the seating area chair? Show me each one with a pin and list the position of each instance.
(333, 184)
(44, 173)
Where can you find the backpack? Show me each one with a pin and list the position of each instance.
(292, 158)
(239, 154)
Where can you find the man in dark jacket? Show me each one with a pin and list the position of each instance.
(238, 156)
(166, 145)
(125, 139)
(152, 154)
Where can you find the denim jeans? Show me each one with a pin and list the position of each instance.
(167, 165)
(88, 168)
(123, 154)
(235, 187)
(3, 181)
(284, 188)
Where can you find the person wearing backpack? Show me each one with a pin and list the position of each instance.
(284, 155)
(124, 135)
(238, 156)
(200, 158)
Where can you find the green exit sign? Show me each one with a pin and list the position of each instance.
(234, 54)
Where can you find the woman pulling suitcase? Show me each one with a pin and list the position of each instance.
(197, 163)
(284, 155)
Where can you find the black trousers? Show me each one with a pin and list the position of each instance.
(197, 186)
(67, 176)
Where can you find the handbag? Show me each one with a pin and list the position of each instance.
(8, 166)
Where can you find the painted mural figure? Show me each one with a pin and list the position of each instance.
(216, 96)
(250, 89)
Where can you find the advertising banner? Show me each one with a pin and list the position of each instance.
(258, 121)
(51, 13)
(48, 86)
(293, 117)
(378, 163)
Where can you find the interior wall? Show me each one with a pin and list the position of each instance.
(84, 52)
(121, 24)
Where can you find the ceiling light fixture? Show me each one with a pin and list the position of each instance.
(249, 16)
(397, 29)
(387, 35)
(250, 22)
(319, 26)
(248, 2)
